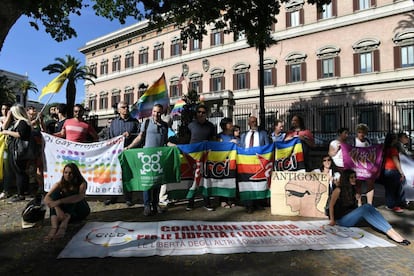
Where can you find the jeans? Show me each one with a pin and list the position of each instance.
(394, 194)
(152, 197)
(367, 212)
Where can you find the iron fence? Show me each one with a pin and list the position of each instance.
(323, 119)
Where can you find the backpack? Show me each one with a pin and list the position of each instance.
(35, 210)
(141, 143)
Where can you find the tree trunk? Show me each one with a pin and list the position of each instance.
(262, 111)
(9, 14)
(70, 97)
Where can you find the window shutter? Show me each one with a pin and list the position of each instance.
(303, 71)
(140, 58)
(200, 86)
(288, 22)
(287, 73)
(222, 37)
(191, 44)
(180, 49)
(180, 89)
(301, 17)
(356, 5)
(211, 84)
(337, 64)
(397, 57)
(171, 90)
(258, 78)
(373, 3)
(162, 53)
(212, 39)
(223, 83)
(334, 8)
(154, 53)
(318, 12)
(235, 82)
(357, 67)
(172, 50)
(319, 69)
(248, 80)
(376, 61)
(274, 76)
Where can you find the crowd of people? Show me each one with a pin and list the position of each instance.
(66, 199)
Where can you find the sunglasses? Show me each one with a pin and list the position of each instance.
(201, 112)
(324, 160)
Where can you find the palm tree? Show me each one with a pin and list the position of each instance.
(78, 73)
(7, 94)
(25, 86)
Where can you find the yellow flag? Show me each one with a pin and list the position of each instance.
(55, 85)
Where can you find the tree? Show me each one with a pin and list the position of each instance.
(7, 94)
(78, 73)
(25, 86)
(254, 18)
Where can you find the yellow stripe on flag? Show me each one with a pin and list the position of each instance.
(57, 83)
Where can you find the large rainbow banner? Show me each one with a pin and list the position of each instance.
(98, 163)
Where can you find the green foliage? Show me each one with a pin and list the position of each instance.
(78, 72)
(7, 94)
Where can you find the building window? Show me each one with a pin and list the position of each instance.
(176, 47)
(366, 56)
(176, 87)
(93, 69)
(296, 68)
(216, 38)
(158, 52)
(195, 45)
(217, 80)
(116, 96)
(104, 67)
(143, 56)
(294, 14)
(129, 95)
(195, 82)
(363, 4)
(103, 101)
(328, 65)
(404, 49)
(269, 73)
(116, 64)
(327, 10)
(241, 76)
(129, 60)
(92, 103)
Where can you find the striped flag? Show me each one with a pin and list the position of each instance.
(254, 169)
(156, 94)
(178, 107)
(289, 155)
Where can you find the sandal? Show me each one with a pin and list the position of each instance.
(60, 233)
(225, 205)
(51, 235)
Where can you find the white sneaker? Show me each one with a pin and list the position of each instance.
(3, 195)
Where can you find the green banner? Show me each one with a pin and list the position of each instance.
(144, 168)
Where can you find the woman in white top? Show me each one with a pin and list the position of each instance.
(335, 151)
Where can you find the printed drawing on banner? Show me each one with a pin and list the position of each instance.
(343, 232)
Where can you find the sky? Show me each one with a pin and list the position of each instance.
(26, 51)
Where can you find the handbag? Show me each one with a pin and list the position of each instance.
(24, 150)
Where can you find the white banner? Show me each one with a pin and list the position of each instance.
(98, 163)
(133, 239)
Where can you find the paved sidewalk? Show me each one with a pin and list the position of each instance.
(23, 251)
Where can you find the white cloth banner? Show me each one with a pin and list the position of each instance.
(407, 165)
(177, 237)
(98, 163)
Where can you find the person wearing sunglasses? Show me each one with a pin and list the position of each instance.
(201, 130)
(344, 211)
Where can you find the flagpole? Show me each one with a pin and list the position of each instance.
(44, 106)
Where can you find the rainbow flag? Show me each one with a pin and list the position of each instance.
(289, 155)
(254, 171)
(156, 94)
(178, 107)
